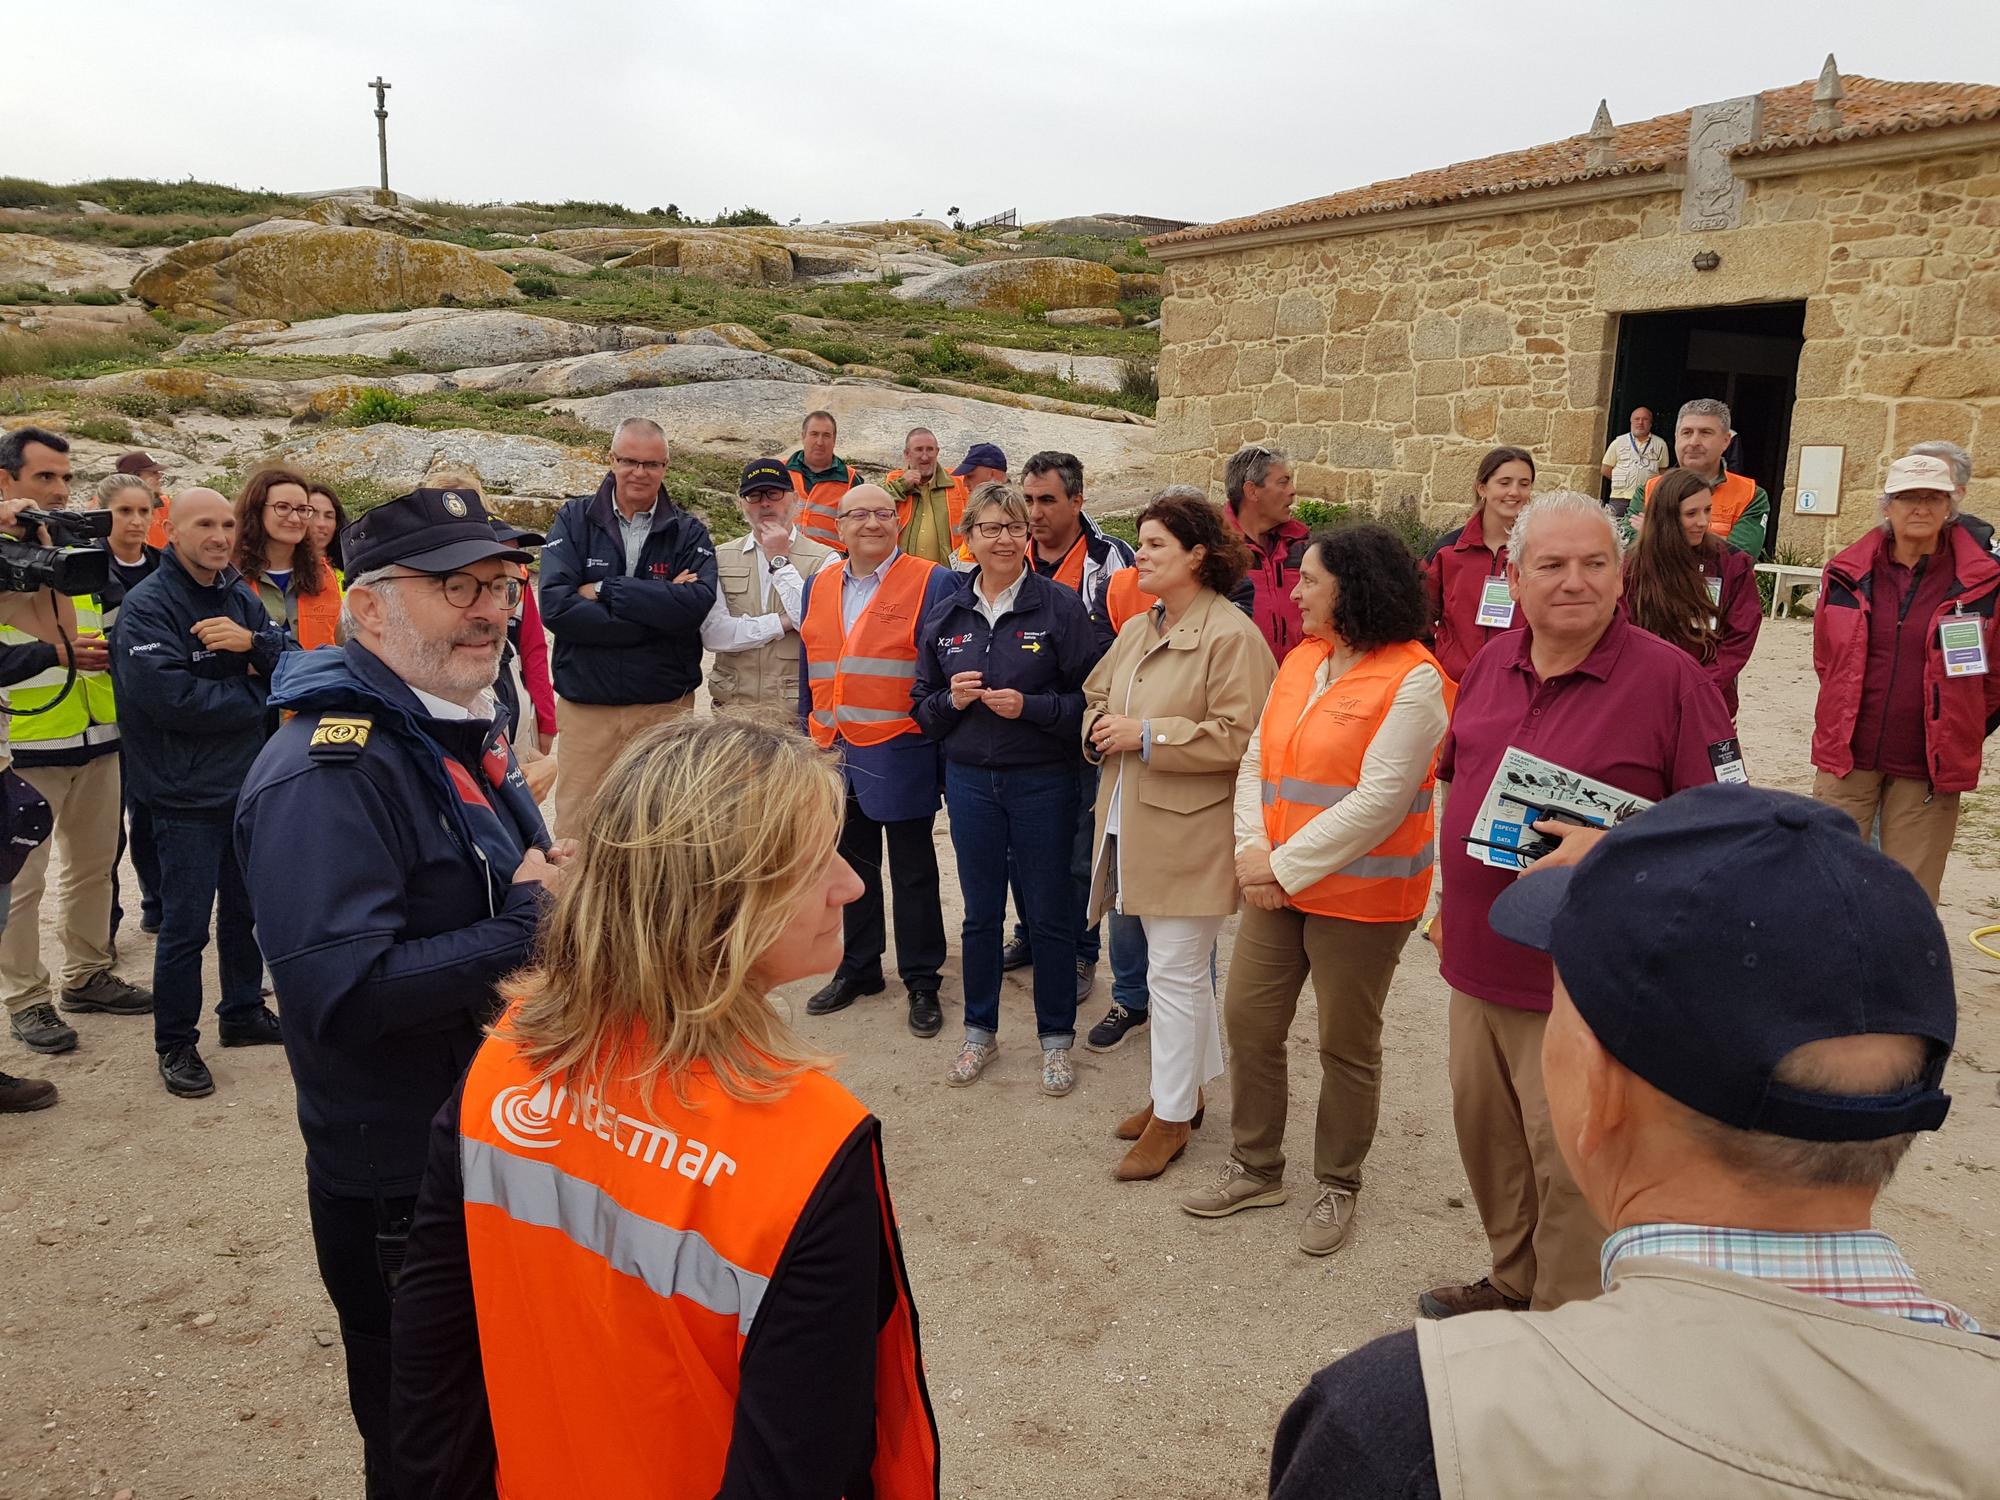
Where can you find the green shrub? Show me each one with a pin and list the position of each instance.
(374, 404)
(1318, 515)
(1792, 557)
(538, 287)
(403, 359)
(102, 429)
(233, 404)
(97, 298)
(1034, 312)
(943, 356)
(840, 351)
(26, 192)
(78, 356)
(1142, 381)
(742, 218)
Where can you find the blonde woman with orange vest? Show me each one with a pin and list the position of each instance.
(858, 642)
(1167, 714)
(655, 1253)
(1335, 841)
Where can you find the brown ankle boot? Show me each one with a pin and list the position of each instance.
(1158, 1145)
(1133, 1126)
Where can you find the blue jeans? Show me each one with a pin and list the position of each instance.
(199, 877)
(1027, 818)
(1089, 941)
(1129, 955)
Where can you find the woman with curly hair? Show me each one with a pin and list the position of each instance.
(277, 558)
(1166, 714)
(1335, 840)
(1687, 587)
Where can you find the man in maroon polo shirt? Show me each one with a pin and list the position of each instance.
(1259, 485)
(1585, 688)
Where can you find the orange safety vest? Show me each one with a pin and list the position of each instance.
(1311, 758)
(1069, 572)
(819, 507)
(156, 530)
(954, 504)
(864, 681)
(1123, 598)
(1728, 501)
(618, 1259)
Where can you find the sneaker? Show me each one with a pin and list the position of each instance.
(105, 991)
(1086, 980)
(185, 1074)
(1016, 955)
(1234, 1189)
(1058, 1074)
(40, 1029)
(1325, 1228)
(1450, 1300)
(258, 1029)
(20, 1095)
(970, 1063)
(1109, 1034)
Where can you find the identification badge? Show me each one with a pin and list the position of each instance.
(1496, 604)
(1964, 646)
(1726, 758)
(1714, 591)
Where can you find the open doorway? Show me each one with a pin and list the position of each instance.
(1745, 356)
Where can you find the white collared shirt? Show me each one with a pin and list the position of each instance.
(722, 631)
(992, 611)
(444, 708)
(857, 591)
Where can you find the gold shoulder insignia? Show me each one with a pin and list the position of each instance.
(339, 736)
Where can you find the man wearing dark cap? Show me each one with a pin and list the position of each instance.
(193, 652)
(1753, 1010)
(399, 868)
(753, 627)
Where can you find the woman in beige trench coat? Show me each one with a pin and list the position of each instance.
(1168, 713)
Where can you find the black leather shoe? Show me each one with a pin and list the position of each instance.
(185, 1074)
(1016, 955)
(258, 1029)
(926, 1017)
(840, 992)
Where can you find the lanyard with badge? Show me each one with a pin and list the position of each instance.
(1963, 642)
(1496, 604)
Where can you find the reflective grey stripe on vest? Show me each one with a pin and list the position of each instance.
(878, 666)
(1315, 794)
(846, 713)
(1389, 866)
(820, 671)
(821, 716)
(672, 1262)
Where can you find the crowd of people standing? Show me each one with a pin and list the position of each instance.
(1133, 744)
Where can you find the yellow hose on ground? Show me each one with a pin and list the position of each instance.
(1977, 933)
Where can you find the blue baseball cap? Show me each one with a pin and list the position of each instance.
(1705, 939)
(982, 456)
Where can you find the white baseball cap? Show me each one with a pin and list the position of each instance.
(1919, 471)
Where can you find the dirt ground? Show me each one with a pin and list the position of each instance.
(163, 1331)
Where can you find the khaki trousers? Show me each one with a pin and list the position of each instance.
(88, 804)
(1350, 965)
(593, 735)
(1545, 1239)
(1918, 824)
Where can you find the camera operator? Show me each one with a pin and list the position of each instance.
(65, 742)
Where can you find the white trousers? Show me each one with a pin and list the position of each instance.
(1186, 1029)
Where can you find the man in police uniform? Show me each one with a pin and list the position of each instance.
(422, 882)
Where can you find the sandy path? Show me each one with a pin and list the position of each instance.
(162, 1327)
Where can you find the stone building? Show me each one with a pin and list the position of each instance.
(1825, 256)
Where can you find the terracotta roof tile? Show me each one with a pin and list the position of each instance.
(1869, 106)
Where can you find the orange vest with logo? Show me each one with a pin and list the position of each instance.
(1728, 500)
(1311, 758)
(1123, 598)
(619, 1259)
(819, 508)
(863, 681)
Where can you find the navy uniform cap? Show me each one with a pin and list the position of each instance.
(1710, 936)
(432, 531)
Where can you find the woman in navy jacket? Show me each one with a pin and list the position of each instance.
(1000, 670)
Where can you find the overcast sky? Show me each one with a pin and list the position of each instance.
(847, 109)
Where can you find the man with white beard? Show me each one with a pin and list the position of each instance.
(398, 867)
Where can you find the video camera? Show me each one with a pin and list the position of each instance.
(76, 562)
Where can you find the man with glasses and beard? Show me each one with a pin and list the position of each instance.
(399, 868)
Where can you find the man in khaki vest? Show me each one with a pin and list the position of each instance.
(1753, 1010)
(753, 627)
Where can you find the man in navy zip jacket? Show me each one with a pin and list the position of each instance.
(627, 579)
(192, 655)
(397, 863)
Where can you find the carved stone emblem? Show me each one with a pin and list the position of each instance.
(1713, 197)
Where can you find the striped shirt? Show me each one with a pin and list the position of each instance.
(1860, 1268)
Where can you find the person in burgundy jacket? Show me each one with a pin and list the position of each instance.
(1690, 588)
(1903, 645)
(1467, 569)
(1259, 485)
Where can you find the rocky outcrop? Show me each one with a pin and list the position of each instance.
(1094, 372)
(365, 213)
(743, 419)
(999, 285)
(62, 266)
(741, 262)
(403, 457)
(1084, 317)
(441, 337)
(1028, 401)
(734, 335)
(656, 364)
(535, 258)
(303, 271)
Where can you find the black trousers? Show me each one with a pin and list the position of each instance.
(913, 876)
(345, 1238)
(135, 832)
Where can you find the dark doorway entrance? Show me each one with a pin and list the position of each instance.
(1746, 356)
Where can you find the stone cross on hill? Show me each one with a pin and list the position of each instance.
(382, 128)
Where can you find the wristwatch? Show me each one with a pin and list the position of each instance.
(775, 563)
